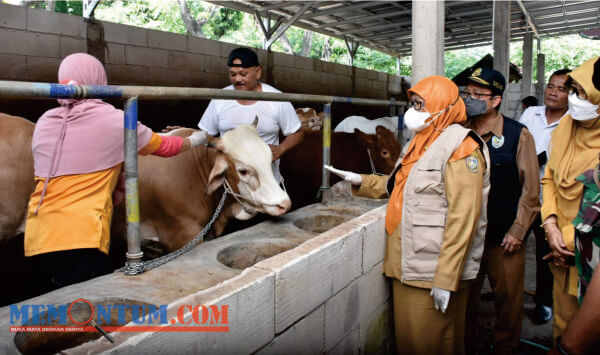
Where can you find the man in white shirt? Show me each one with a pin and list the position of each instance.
(273, 116)
(541, 121)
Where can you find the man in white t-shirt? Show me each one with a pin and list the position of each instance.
(273, 116)
(541, 121)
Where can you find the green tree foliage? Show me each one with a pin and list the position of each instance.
(224, 21)
(65, 6)
(295, 36)
(369, 59)
(153, 14)
(165, 16)
(248, 33)
(458, 60)
(69, 7)
(560, 52)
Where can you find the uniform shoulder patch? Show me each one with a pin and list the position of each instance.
(466, 148)
(472, 163)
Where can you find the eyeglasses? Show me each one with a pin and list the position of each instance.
(559, 88)
(579, 92)
(477, 96)
(418, 105)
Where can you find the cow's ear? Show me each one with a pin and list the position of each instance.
(381, 130)
(217, 174)
(363, 138)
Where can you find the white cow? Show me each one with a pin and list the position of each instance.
(363, 124)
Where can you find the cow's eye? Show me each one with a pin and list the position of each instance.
(243, 172)
(385, 153)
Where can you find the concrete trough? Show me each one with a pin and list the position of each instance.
(309, 281)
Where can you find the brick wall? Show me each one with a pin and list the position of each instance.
(327, 295)
(33, 42)
(514, 97)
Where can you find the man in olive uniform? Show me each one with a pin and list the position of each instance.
(512, 206)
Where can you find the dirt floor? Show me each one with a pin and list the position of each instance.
(538, 334)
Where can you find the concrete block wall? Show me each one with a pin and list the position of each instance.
(33, 42)
(514, 97)
(327, 295)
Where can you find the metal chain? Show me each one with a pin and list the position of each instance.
(138, 268)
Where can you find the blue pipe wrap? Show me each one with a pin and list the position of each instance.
(131, 115)
(78, 91)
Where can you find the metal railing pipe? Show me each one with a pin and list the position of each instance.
(392, 107)
(134, 253)
(326, 146)
(27, 90)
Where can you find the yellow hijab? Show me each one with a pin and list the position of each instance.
(576, 144)
(439, 93)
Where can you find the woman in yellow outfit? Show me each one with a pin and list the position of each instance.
(78, 153)
(574, 149)
(435, 220)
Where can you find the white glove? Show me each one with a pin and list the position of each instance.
(353, 178)
(441, 298)
(198, 137)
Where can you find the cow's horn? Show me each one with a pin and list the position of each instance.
(255, 123)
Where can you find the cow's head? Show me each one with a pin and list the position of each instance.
(383, 147)
(309, 119)
(243, 153)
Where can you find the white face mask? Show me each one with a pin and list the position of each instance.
(582, 110)
(415, 120)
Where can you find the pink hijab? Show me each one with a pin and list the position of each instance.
(80, 136)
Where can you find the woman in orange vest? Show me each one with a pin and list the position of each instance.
(435, 220)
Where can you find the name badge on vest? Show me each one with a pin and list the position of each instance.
(497, 142)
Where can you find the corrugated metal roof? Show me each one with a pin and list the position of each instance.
(386, 26)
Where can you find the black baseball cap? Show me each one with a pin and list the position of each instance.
(246, 55)
(488, 78)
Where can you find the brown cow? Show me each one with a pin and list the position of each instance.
(16, 184)
(383, 148)
(310, 120)
(301, 166)
(16, 175)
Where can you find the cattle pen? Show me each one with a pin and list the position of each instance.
(29, 90)
(314, 274)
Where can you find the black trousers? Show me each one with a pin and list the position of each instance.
(543, 276)
(62, 268)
